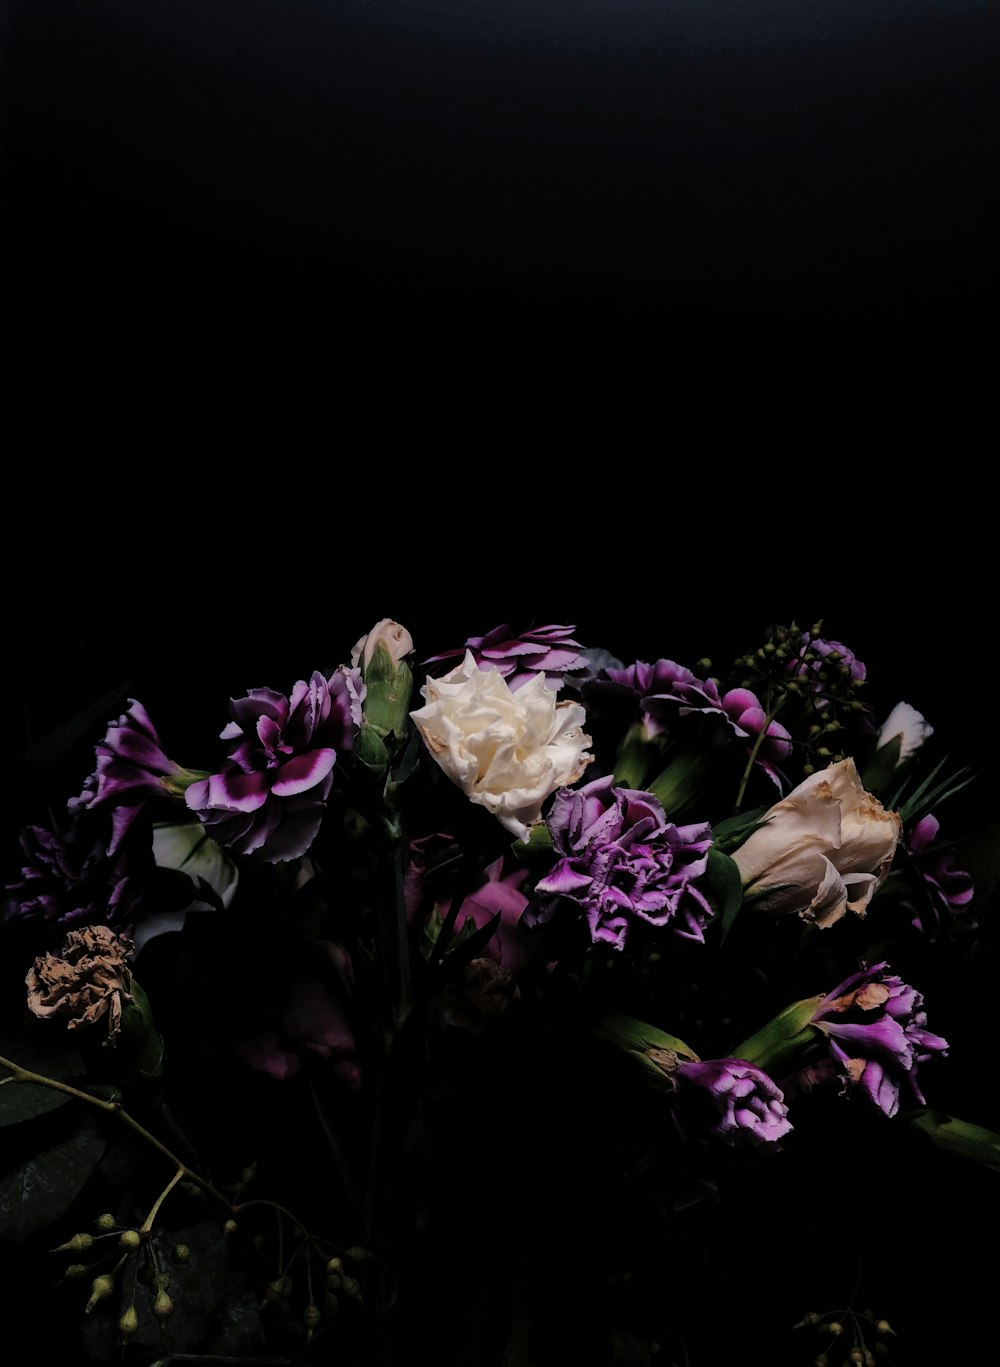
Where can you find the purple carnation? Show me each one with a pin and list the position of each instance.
(624, 864)
(742, 1104)
(948, 891)
(877, 1034)
(269, 796)
(69, 879)
(130, 767)
(519, 656)
(667, 690)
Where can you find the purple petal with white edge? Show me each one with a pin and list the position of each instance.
(259, 702)
(303, 772)
(883, 1038)
(268, 733)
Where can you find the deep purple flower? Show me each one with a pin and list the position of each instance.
(130, 767)
(948, 891)
(624, 864)
(269, 796)
(740, 1103)
(519, 656)
(667, 690)
(877, 1034)
(69, 879)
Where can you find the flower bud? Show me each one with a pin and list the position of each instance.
(230, 1228)
(311, 1317)
(386, 674)
(335, 1265)
(129, 1322)
(100, 1288)
(163, 1306)
(76, 1270)
(78, 1244)
(130, 1238)
(358, 1254)
(884, 1327)
(180, 1253)
(106, 1223)
(835, 1329)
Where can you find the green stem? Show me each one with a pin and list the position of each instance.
(769, 717)
(147, 1224)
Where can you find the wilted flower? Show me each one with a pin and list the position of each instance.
(624, 864)
(521, 656)
(667, 690)
(130, 768)
(948, 892)
(745, 1104)
(507, 751)
(270, 795)
(481, 995)
(823, 850)
(907, 723)
(68, 878)
(88, 980)
(876, 1031)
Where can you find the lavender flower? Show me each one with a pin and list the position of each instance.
(270, 795)
(747, 1108)
(130, 768)
(548, 650)
(877, 1035)
(948, 891)
(624, 864)
(666, 690)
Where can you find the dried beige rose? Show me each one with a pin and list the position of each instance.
(88, 980)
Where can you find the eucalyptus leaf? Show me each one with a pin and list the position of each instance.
(48, 1054)
(41, 1188)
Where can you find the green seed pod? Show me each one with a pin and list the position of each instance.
(100, 1288)
(230, 1228)
(311, 1317)
(129, 1322)
(106, 1223)
(335, 1265)
(130, 1238)
(163, 1306)
(835, 1329)
(358, 1254)
(76, 1270)
(78, 1244)
(180, 1253)
(884, 1327)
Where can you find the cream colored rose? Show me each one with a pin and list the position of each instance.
(823, 850)
(396, 639)
(506, 751)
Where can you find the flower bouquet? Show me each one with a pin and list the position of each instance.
(496, 998)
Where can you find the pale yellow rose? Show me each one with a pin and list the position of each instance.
(823, 850)
(506, 751)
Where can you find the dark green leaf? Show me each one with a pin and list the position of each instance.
(48, 1054)
(41, 1188)
(960, 1137)
(537, 849)
(722, 885)
(881, 768)
(728, 835)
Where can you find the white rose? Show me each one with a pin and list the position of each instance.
(506, 751)
(823, 850)
(907, 723)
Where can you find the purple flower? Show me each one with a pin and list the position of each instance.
(269, 796)
(877, 1034)
(624, 864)
(130, 767)
(830, 655)
(548, 650)
(740, 1104)
(667, 690)
(948, 891)
(69, 879)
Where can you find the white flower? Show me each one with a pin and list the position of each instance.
(506, 751)
(396, 639)
(907, 723)
(823, 850)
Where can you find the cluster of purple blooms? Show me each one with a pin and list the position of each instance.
(621, 868)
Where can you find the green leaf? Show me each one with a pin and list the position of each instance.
(881, 768)
(959, 1137)
(37, 1191)
(47, 1054)
(537, 849)
(722, 885)
(728, 835)
(187, 847)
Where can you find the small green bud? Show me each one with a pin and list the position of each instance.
(808, 769)
(100, 1288)
(357, 1254)
(884, 1327)
(129, 1322)
(78, 1244)
(703, 666)
(163, 1306)
(230, 1228)
(130, 1238)
(823, 752)
(810, 1317)
(335, 1265)
(856, 1355)
(180, 1253)
(835, 1329)
(311, 1317)
(76, 1270)
(106, 1223)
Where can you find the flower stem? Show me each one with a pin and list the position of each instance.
(147, 1224)
(769, 717)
